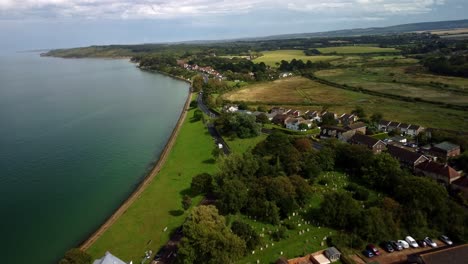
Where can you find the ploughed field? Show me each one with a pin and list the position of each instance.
(302, 93)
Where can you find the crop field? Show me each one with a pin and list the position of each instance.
(305, 94)
(395, 80)
(356, 50)
(272, 57)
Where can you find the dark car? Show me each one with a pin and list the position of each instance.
(421, 243)
(373, 249)
(396, 245)
(446, 240)
(368, 253)
(387, 246)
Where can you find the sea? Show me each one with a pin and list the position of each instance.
(76, 138)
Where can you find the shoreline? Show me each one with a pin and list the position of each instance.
(147, 180)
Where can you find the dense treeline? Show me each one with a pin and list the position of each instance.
(456, 65)
(299, 65)
(279, 175)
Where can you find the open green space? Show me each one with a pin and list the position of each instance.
(402, 81)
(242, 145)
(305, 94)
(143, 226)
(272, 57)
(356, 50)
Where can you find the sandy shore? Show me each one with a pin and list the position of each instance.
(135, 195)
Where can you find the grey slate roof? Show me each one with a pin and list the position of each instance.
(109, 259)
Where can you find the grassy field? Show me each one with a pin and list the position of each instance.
(142, 227)
(305, 94)
(242, 145)
(295, 245)
(396, 80)
(272, 57)
(356, 50)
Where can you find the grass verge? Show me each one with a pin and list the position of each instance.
(159, 207)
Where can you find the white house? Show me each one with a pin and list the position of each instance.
(293, 123)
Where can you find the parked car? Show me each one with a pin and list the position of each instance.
(403, 243)
(421, 243)
(396, 245)
(373, 249)
(446, 240)
(411, 241)
(367, 253)
(430, 242)
(387, 246)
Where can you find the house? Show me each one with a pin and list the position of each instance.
(295, 113)
(294, 123)
(406, 157)
(437, 171)
(414, 130)
(347, 119)
(358, 127)
(279, 110)
(445, 150)
(230, 108)
(447, 255)
(383, 125)
(108, 259)
(270, 115)
(336, 132)
(392, 126)
(403, 128)
(461, 185)
(332, 254)
(377, 146)
(279, 119)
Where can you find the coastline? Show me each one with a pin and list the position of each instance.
(147, 180)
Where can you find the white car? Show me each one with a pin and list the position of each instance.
(430, 242)
(403, 243)
(411, 241)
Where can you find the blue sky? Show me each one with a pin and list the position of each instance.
(43, 24)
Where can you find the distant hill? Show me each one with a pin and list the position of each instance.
(404, 28)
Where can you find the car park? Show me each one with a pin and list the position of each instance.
(368, 253)
(430, 242)
(403, 243)
(387, 246)
(396, 245)
(373, 249)
(446, 240)
(411, 241)
(421, 243)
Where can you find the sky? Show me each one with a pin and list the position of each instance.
(46, 24)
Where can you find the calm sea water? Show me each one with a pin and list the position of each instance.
(76, 137)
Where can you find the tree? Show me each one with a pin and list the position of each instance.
(186, 202)
(237, 166)
(376, 117)
(232, 196)
(247, 233)
(303, 144)
(359, 111)
(194, 104)
(202, 184)
(303, 127)
(216, 152)
(340, 210)
(197, 115)
(207, 239)
(197, 83)
(263, 119)
(76, 256)
(329, 119)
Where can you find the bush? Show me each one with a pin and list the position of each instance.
(281, 233)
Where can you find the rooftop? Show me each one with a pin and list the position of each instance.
(447, 255)
(438, 168)
(404, 154)
(356, 125)
(447, 146)
(363, 139)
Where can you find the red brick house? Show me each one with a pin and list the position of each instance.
(438, 171)
(377, 146)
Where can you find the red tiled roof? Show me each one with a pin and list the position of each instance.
(439, 169)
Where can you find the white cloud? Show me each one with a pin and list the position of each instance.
(160, 9)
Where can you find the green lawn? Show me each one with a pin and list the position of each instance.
(272, 57)
(242, 145)
(356, 50)
(142, 227)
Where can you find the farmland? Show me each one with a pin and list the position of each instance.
(272, 57)
(302, 93)
(356, 50)
(396, 80)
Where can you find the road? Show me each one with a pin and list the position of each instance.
(168, 253)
